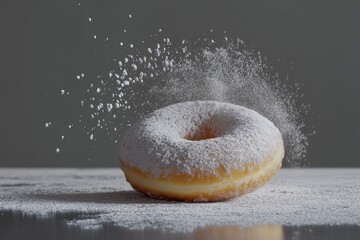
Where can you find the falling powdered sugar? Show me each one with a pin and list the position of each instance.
(235, 75)
(162, 73)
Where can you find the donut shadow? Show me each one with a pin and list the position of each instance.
(116, 197)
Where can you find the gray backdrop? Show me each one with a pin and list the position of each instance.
(44, 44)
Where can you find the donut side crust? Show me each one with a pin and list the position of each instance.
(206, 188)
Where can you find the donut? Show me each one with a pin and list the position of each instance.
(200, 151)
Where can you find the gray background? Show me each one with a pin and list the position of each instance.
(44, 44)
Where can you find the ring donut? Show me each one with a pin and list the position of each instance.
(200, 151)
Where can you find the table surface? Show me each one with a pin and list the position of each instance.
(292, 197)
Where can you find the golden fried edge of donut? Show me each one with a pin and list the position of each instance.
(206, 188)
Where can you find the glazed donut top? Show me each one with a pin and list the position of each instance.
(198, 136)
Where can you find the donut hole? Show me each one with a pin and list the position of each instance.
(202, 132)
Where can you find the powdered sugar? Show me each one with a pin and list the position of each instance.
(157, 143)
(138, 77)
(237, 75)
(293, 197)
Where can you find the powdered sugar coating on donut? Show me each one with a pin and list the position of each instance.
(158, 143)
